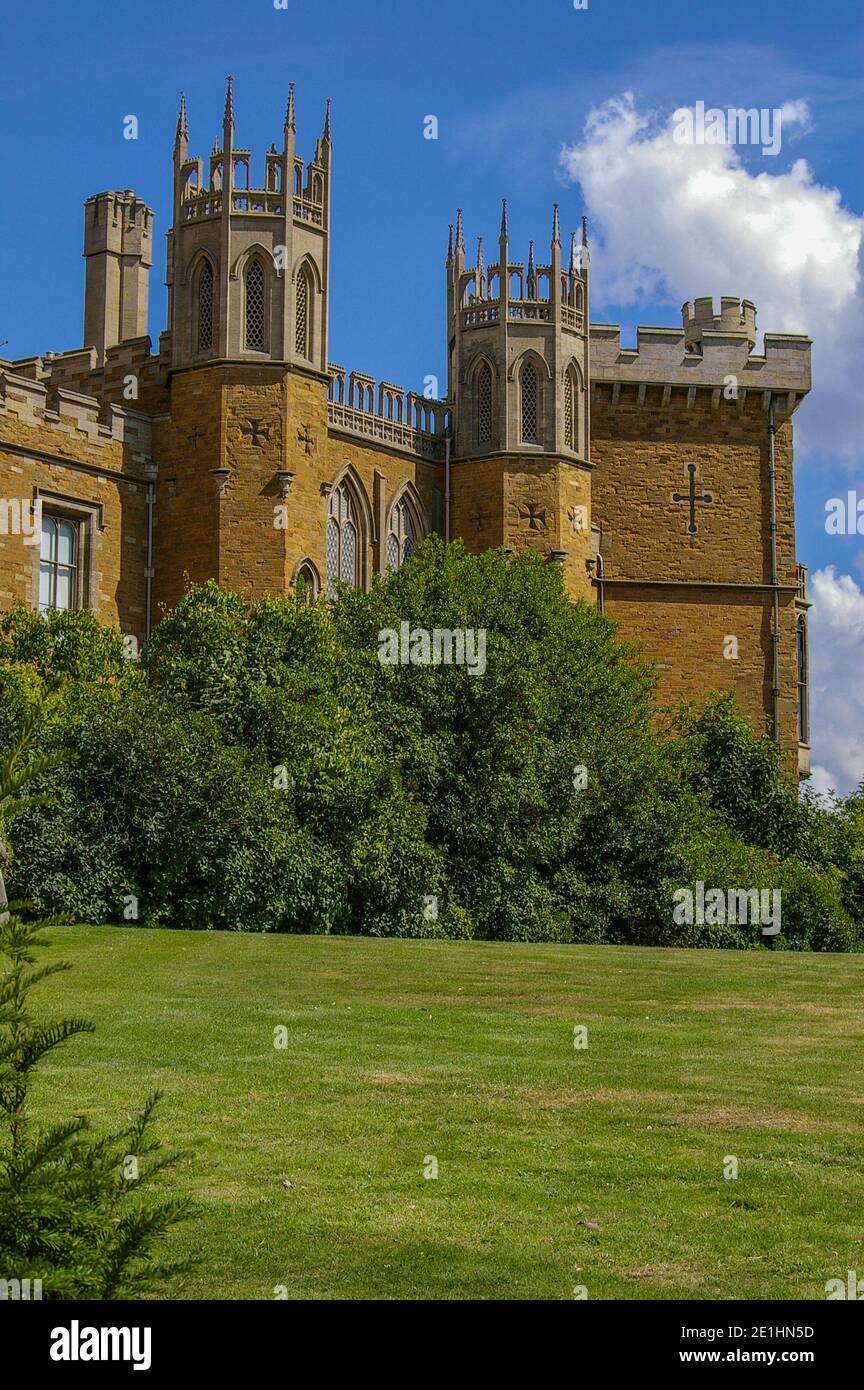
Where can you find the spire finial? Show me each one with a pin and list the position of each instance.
(215, 144)
(532, 273)
(229, 103)
(584, 231)
(328, 128)
(289, 114)
(182, 123)
(450, 246)
(574, 265)
(556, 227)
(504, 227)
(460, 231)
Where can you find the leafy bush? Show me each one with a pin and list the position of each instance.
(261, 769)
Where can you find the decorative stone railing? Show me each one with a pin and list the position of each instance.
(399, 436)
(254, 200)
(484, 311)
(307, 211)
(207, 204)
(530, 309)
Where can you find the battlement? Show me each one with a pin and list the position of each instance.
(737, 319)
(118, 223)
(401, 419)
(699, 356)
(55, 411)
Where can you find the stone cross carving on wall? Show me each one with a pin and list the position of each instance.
(691, 498)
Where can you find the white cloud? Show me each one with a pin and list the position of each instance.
(676, 221)
(837, 680)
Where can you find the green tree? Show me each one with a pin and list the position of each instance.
(71, 1213)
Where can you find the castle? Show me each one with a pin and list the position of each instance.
(658, 477)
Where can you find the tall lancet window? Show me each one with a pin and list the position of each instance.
(803, 681)
(343, 540)
(205, 307)
(529, 404)
(571, 431)
(303, 315)
(483, 403)
(255, 306)
(401, 537)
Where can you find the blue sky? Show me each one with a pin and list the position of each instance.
(511, 85)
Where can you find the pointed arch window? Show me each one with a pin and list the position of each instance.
(571, 410)
(803, 681)
(401, 536)
(303, 319)
(306, 583)
(483, 403)
(529, 392)
(344, 540)
(255, 288)
(205, 307)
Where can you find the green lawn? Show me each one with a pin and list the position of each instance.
(464, 1051)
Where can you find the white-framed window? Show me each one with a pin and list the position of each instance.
(59, 563)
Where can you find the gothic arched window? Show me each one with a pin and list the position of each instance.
(205, 307)
(344, 540)
(255, 287)
(401, 536)
(483, 403)
(302, 310)
(571, 410)
(803, 681)
(306, 583)
(529, 391)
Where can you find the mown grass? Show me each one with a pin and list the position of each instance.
(400, 1050)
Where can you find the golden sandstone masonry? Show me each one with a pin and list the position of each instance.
(659, 478)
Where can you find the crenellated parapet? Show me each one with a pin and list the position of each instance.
(60, 415)
(712, 352)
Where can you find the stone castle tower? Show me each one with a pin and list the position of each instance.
(518, 374)
(659, 477)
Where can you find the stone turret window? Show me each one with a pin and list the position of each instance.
(401, 537)
(803, 681)
(529, 404)
(255, 287)
(205, 307)
(571, 407)
(343, 540)
(302, 311)
(483, 403)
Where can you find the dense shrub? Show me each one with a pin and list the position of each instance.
(261, 769)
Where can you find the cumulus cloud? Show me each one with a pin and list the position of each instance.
(678, 220)
(837, 680)
(675, 220)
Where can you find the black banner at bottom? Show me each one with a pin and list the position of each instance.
(59, 1340)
